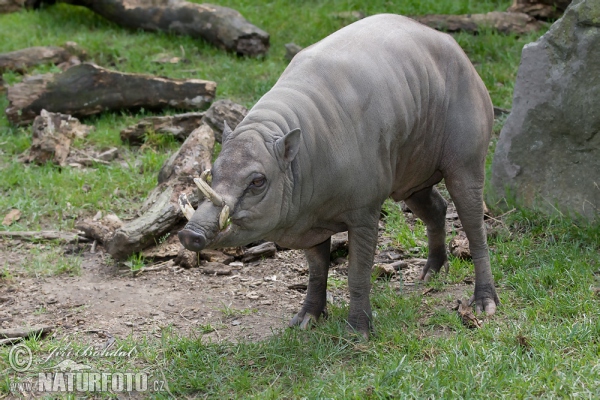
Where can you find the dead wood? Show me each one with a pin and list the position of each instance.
(466, 315)
(264, 250)
(216, 256)
(504, 22)
(160, 212)
(88, 89)
(540, 9)
(52, 136)
(224, 110)
(339, 241)
(384, 270)
(23, 59)
(25, 331)
(180, 126)
(8, 6)
(223, 27)
(35, 236)
(459, 246)
(100, 230)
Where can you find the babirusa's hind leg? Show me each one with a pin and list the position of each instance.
(430, 206)
(466, 190)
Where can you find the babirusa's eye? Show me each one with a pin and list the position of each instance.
(258, 182)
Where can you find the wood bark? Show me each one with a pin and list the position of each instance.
(88, 89)
(541, 9)
(180, 126)
(8, 6)
(504, 22)
(221, 26)
(23, 59)
(224, 110)
(52, 137)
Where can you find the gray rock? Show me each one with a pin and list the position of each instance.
(548, 154)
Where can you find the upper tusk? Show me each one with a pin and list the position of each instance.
(206, 176)
(209, 193)
(224, 217)
(185, 206)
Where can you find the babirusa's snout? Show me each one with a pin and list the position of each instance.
(191, 240)
(205, 224)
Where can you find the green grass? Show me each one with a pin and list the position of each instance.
(543, 342)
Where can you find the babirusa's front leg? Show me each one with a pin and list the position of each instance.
(316, 294)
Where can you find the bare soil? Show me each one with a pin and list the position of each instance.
(106, 300)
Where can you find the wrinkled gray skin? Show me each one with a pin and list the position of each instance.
(385, 107)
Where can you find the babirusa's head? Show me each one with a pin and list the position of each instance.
(246, 194)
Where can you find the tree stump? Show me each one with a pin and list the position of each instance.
(88, 89)
(221, 26)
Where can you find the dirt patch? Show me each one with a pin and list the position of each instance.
(105, 300)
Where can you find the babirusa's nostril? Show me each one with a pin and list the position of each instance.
(192, 240)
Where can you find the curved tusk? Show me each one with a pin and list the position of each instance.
(224, 217)
(209, 193)
(206, 176)
(185, 206)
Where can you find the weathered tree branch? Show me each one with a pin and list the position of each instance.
(221, 26)
(504, 22)
(20, 60)
(88, 89)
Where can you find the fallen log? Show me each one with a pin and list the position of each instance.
(504, 22)
(23, 59)
(264, 250)
(38, 236)
(223, 27)
(8, 6)
(52, 137)
(540, 9)
(88, 89)
(160, 212)
(180, 126)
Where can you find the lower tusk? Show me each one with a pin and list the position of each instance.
(185, 206)
(224, 217)
(208, 192)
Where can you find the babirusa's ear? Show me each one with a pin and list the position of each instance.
(287, 147)
(226, 132)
